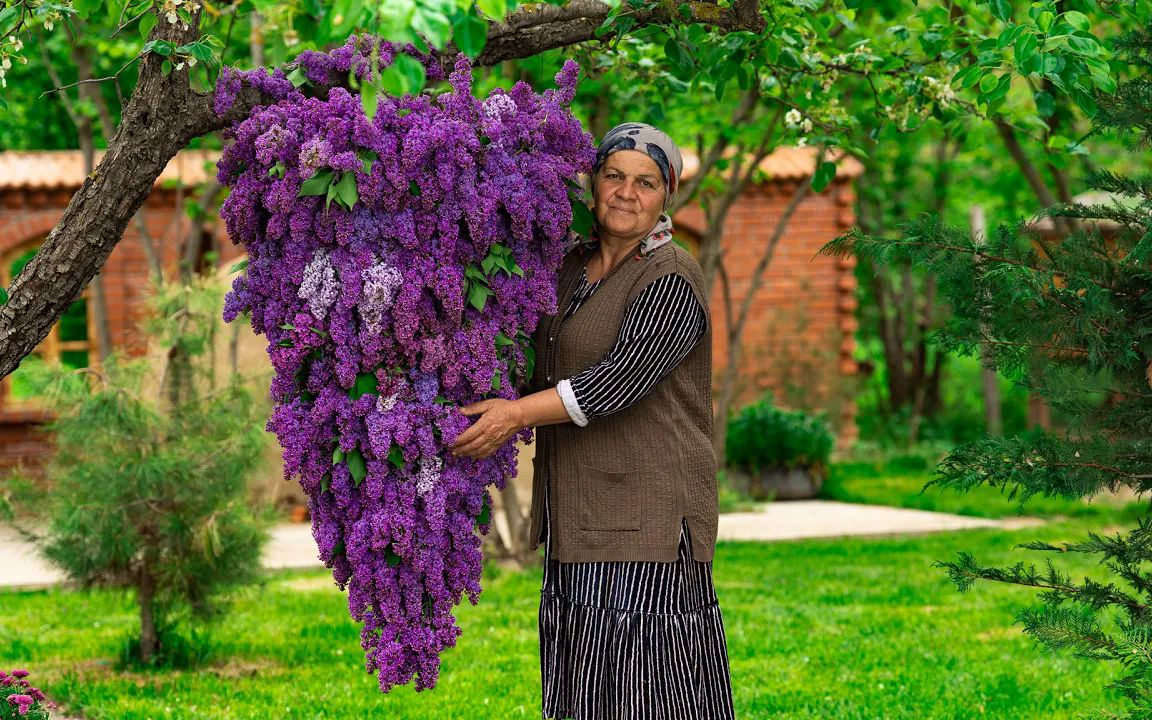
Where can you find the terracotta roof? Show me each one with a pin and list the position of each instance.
(65, 168)
(787, 163)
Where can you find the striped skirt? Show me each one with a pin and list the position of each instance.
(632, 640)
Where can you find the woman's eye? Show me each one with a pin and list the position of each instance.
(647, 184)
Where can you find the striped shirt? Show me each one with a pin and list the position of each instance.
(660, 327)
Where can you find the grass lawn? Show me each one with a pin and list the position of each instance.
(861, 629)
(899, 482)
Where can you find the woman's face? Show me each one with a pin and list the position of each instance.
(629, 195)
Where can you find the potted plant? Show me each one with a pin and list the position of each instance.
(778, 454)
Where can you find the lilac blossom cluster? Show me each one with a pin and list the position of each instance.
(371, 320)
(21, 699)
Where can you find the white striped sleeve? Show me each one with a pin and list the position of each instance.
(662, 325)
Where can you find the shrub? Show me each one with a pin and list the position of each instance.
(762, 435)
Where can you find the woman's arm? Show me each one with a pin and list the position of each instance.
(662, 325)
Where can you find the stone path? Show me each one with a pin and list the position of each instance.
(292, 545)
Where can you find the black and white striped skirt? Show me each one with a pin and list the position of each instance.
(632, 640)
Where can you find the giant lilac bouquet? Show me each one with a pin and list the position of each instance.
(19, 700)
(398, 266)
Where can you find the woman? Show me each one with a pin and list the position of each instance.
(624, 482)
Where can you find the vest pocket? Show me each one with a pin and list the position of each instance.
(609, 500)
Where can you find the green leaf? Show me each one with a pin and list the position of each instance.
(286, 343)
(346, 191)
(967, 77)
(325, 482)
(470, 33)
(239, 266)
(297, 77)
(337, 455)
(503, 340)
(367, 157)
(496, 380)
(495, 9)
(488, 264)
(365, 383)
(413, 188)
(166, 67)
(823, 175)
(582, 217)
(160, 47)
(478, 296)
(1002, 9)
(286, 326)
(318, 184)
(369, 100)
(485, 515)
(1078, 20)
(277, 170)
(396, 456)
(1044, 21)
(3, 296)
(357, 467)
(147, 22)
(405, 75)
(9, 16)
(432, 24)
(390, 557)
(329, 196)
(1024, 49)
(988, 82)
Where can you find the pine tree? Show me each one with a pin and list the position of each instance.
(146, 486)
(1061, 317)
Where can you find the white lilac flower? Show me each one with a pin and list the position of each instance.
(793, 117)
(497, 105)
(380, 283)
(429, 474)
(319, 288)
(384, 403)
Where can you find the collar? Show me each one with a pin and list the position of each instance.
(660, 234)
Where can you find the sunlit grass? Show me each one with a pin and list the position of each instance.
(816, 629)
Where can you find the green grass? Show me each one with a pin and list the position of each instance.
(853, 629)
(900, 482)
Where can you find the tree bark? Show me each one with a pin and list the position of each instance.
(146, 598)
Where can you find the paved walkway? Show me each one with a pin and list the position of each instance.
(292, 545)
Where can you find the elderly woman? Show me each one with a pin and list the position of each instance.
(624, 486)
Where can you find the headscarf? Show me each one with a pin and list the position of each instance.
(656, 144)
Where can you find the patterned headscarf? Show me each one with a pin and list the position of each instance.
(656, 144)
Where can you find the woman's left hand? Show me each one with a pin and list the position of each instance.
(499, 420)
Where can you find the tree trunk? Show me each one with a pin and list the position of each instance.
(993, 423)
(146, 598)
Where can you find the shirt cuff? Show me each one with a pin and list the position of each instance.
(564, 387)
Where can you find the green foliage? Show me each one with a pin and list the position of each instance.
(1062, 314)
(146, 494)
(761, 435)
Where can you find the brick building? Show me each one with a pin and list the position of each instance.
(799, 337)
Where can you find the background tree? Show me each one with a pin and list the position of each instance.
(146, 489)
(1063, 317)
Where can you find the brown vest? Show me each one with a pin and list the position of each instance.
(620, 485)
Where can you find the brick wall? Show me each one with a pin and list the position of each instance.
(26, 217)
(800, 333)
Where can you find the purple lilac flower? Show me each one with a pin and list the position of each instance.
(370, 332)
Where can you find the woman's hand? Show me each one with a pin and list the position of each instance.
(500, 419)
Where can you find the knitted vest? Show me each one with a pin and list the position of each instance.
(619, 486)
